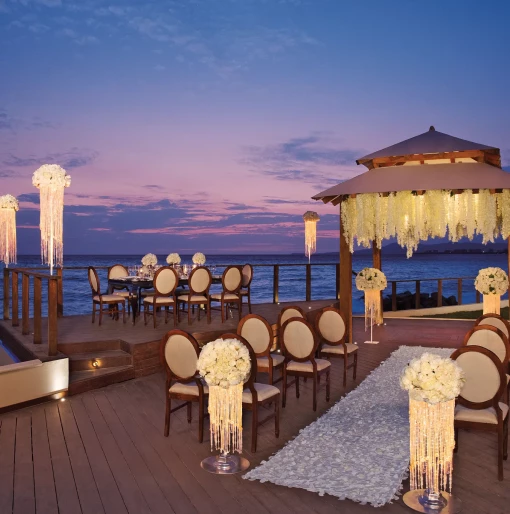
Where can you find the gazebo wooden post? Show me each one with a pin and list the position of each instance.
(345, 280)
(508, 256)
(377, 263)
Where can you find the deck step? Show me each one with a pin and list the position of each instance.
(104, 359)
(89, 346)
(86, 380)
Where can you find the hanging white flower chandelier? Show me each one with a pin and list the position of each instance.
(51, 180)
(310, 218)
(8, 207)
(411, 217)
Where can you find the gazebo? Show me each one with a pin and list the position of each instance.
(430, 185)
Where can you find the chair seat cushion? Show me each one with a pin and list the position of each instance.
(264, 391)
(479, 416)
(339, 349)
(263, 362)
(165, 300)
(226, 296)
(189, 388)
(244, 292)
(307, 366)
(194, 298)
(109, 298)
(122, 294)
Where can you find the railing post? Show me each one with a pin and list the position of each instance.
(308, 282)
(60, 293)
(37, 310)
(276, 271)
(439, 293)
(52, 317)
(6, 293)
(459, 291)
(15, 299)
(477, 296)
(337, 281)
(417, 303)
(25, 304)
(393, 296)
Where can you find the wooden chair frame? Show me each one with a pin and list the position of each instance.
(188, 399)
(123, 289)
(280, 315)
(192, 292)
(501, 428)
(267, 352)
(505, 322)
(246, 288)
(341, 341)
(314, 374)
(158, 294)
(256, 403)
(224, 303)
(112, 306)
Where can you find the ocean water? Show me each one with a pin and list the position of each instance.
(292, 285)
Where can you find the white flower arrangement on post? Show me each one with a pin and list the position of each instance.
(149, 260)
(433, 383)
(492, 283)
(173, 258)
(8, 208)
(225, 365)
(198, 259)
(372, 281)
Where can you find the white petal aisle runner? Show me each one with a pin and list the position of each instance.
(359, 449)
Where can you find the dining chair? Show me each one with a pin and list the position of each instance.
(231, 283)
(247, 273)
(166, 281)
(478, 407)
(179, 352)
(291, 311)
(259, 334)
(111, 301)
(256, 395)
(119, 271)
(330, 327)
(299, 344)
(495, 320)
(200, 281)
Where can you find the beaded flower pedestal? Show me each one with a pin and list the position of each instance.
(225, 464)
(372, 311)
(431, 440)
(491, 304)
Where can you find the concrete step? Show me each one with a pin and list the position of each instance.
(86, 380)
(103, 359)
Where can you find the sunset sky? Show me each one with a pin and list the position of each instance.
(207, 125)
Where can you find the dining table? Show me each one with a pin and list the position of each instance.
(135, 285)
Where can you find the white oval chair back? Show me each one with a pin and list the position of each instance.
(254, 329)
(165, 281)
(297, 339)
(290, 312)
(232, 279)
(117, 271)
(181, 356)
(93, 280)
(247, 273)
(331, 326)
(200, 280)
(495, 321)
(491, 338)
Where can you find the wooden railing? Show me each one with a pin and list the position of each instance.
(11, 284)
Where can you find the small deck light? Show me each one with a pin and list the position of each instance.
(95, 363)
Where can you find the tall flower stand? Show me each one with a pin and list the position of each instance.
(491, 304)
(372, 311)
(226, 421)
(432, 442)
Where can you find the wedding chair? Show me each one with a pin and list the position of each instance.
(200, 281)
(257, 395)
(179, 353)
(299, 344)
(330, 327)
(478, 406)
(247, 273)
(231, 282)
(119, 271)
(495, 320)
(166, 281)
(259, 334)
(111, 301)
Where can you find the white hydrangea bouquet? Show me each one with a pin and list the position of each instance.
(199, 258)
(173, 258)
(491, 281)
(51, 175)
(149, 260)
(371, 278)
(225, 365)
(9, 202)
(432, 379)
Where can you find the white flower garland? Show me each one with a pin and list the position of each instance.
(411, 218)
(51, 175)
(173, 258)
(371, 279)
(149, 260)
(493, 281)
(9, 202)
(311, 216)
(199, 258)
(432, 379)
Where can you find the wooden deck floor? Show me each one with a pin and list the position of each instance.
(103, 451)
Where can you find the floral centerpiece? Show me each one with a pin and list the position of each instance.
(433, 383)
(149, 260)
(173, 258)
(225, 365)
(198, 259)
(8, 208)
(492, 283)
(372, 281)
(51, 175)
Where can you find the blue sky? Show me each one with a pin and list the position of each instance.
(207, 125)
